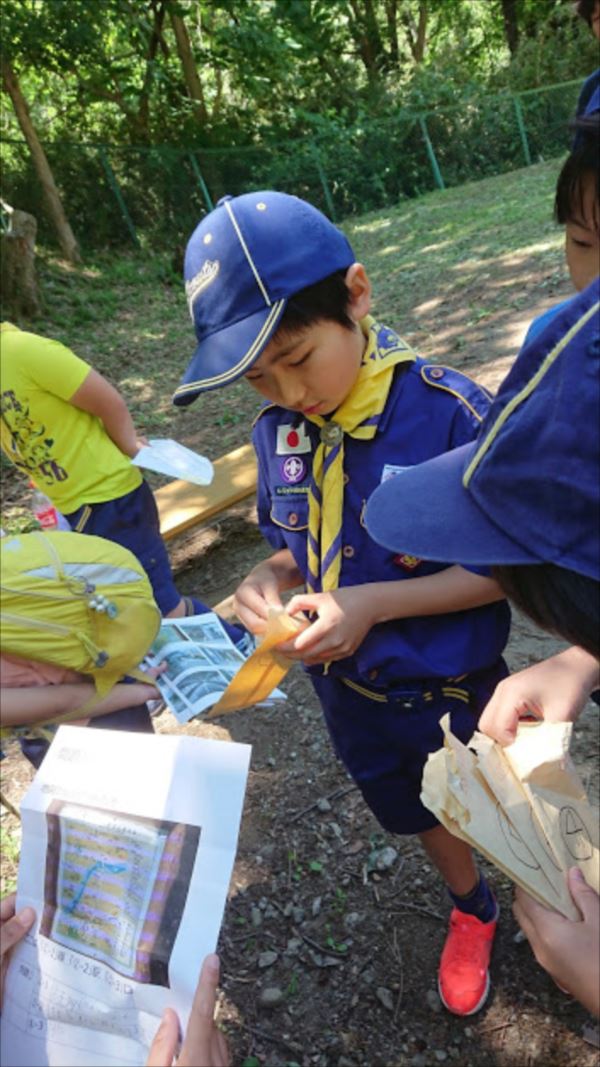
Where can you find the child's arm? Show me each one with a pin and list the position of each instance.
(261, 588)
(100, 398)
(26, 705)
(346, 615)
(557, 690)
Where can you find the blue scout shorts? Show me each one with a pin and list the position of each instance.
(132, 521)
(383, 737)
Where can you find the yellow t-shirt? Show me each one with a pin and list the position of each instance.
(64, 450)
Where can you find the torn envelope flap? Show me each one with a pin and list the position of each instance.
(515, 800)
(487, 826)
(540, 758)
(265, 668)
(540, 752)
(435, 793)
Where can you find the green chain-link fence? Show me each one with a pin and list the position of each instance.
(116, 194)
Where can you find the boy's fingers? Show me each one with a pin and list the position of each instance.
(201, 1022)
(499, 724)
(303, 602)
(164, 1046)
(205, 997)
(253, 622)
(318, 643)
(7, 907)
(252, 603)
(584, 896)
(15, 928)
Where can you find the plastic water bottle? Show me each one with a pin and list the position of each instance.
(46, 514)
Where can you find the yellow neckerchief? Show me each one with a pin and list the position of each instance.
(357, 416)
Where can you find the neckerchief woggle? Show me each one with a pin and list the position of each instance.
(358, 416)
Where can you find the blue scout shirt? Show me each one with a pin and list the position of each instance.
(430, 409)
(544, 320)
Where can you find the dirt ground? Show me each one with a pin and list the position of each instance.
(327, 959)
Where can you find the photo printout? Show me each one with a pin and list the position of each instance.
(128, 846)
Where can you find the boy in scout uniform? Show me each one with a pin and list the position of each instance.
(395, 643)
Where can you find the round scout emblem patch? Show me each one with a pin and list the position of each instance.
(293, 469)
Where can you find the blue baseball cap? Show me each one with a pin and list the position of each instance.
(528, 489)
(242, 264)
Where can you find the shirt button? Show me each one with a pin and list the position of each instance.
(373, 674)
(293, 518)
(348, 551)
(346, 479)
(437, 372)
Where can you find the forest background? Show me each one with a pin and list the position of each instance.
(123, 120)
(130, 117)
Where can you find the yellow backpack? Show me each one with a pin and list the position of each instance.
(76, 601)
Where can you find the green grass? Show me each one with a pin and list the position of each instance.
(9, 854)
(469, 247)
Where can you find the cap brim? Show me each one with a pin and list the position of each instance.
(426, 512)
(225, 356)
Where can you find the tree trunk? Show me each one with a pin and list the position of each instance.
(421, 32)
(188, 64)
(157, 8)
(511, 25)
(416, 36)
(365, 32)
(20, 294)
(391, 14)
(64, 232)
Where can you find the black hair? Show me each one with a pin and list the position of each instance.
(585, 10)
(560, 601)
(582, 161)
(327, 300)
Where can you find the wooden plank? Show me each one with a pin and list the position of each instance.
(182, 505)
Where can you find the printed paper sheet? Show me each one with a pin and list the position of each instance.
(128, 846)
(201, 663)
(166, 456)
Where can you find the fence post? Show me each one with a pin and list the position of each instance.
(203, 186)
(437, 174)
(323, 180)
(112, 181)
(522, 129)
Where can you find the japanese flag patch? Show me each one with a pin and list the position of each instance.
(292, 440)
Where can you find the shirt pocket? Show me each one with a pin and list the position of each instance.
(290, 512)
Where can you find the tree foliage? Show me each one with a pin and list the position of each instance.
(204, 75)
(229, 71)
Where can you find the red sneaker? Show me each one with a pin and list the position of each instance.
(463, 979)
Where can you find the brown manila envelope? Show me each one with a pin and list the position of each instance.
(523, 807)
(265, 668)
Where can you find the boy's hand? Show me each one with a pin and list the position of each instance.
(555, 690)
(253, 598)
(568, 950)
(203, 1043)
(345, 617)
(13, 928)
